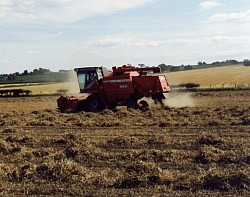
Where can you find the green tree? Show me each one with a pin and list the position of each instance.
(246, 62)
(164, 67)
(200, 63)
(25, 72)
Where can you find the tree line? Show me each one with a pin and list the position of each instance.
(39, 71)
(200, 64)
(246, 62)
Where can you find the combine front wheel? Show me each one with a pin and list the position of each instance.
(94, 103)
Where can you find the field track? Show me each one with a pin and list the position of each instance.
(107, 132)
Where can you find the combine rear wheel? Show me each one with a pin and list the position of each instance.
(94, 103)
(143, 105)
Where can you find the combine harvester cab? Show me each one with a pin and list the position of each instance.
(123, 86)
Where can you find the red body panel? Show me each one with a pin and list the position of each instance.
(127, 82)
(150, 85)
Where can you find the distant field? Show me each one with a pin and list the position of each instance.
(226, 76)
(44, 84)
(50, 77)
(69, 87)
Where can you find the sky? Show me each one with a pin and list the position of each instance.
(64, 34)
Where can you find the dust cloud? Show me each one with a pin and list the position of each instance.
(173, 99)
(73, 86)
(179, 99)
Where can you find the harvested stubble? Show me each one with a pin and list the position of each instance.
(188, 151)
(142, 174)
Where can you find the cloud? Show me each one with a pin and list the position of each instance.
(31, 52)
(5, 2)
(61, 11)
(130, 41)
(209, 4)
(244, 15)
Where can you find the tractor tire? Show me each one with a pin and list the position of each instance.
(132, 104)
(94, 103)
(143, 105)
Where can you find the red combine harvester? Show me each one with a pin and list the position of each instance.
(123, 86)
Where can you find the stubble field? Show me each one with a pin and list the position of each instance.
(197, 145)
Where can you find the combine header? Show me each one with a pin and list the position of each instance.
(123, 86)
